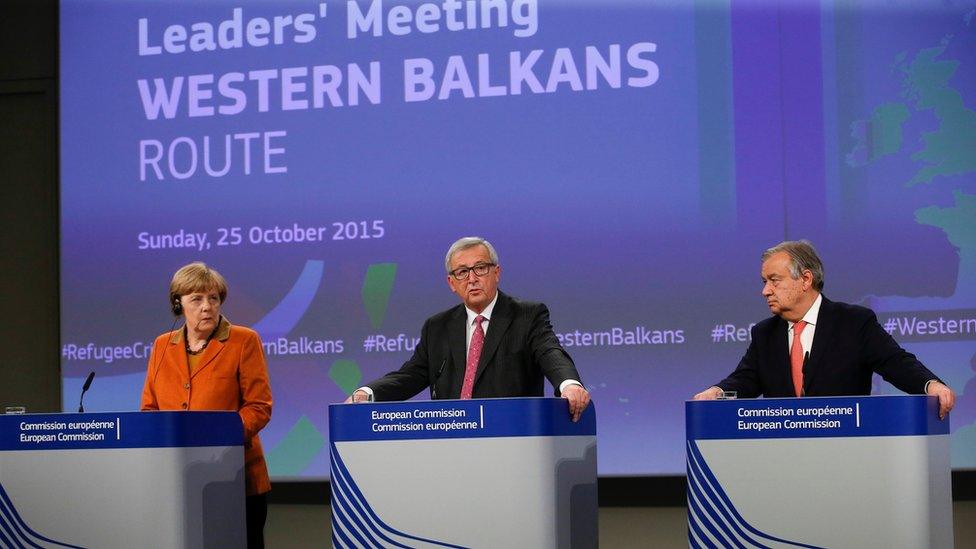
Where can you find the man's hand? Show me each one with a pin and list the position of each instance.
(358, 395)
(947, 399)
(578, 399)
(711, 393)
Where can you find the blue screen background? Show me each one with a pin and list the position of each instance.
(622, 208)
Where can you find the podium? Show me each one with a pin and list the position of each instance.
(819, 472)
(510, 472)
(128, 479)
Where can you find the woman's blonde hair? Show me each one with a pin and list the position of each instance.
(192, 278)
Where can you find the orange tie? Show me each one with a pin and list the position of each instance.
(796, 358)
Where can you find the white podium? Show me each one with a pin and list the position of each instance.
(128, 479)
(514, 472)
(819, 472)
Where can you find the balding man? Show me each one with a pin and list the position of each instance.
(812, 346)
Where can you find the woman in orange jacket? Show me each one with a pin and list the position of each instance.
(209, 364)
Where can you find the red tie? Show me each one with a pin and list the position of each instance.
(796, 358)
(474, 355)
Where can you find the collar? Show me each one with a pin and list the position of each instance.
(223, 332)
(812, 313)
(486, 313)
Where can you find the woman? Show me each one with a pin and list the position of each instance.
(208, 364)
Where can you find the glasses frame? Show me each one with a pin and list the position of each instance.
(485, 267)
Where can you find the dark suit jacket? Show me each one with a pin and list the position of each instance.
(520, 348)
(848, 347)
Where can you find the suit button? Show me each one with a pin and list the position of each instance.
(184, 406)
(186, 385)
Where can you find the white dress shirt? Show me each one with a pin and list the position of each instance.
(484, 323)
(806, 336)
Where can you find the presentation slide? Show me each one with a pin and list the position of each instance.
(629, 160)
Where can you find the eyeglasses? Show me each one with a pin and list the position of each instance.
(481, 269)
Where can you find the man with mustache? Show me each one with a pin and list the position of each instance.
(816, 347)
(491, 345)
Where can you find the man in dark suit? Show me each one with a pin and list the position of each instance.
(491, 345)
(816, 347)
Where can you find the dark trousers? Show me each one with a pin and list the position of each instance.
(256, 513)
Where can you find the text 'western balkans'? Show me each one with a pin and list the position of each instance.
(617, 337)
(468, 77)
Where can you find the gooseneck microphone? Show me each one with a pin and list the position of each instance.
(84, 389)
(806, 377)
(437, 376)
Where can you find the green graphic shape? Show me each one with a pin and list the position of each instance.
(346, 374)
(963, 444)
(880, 136)
(959, 223)
(296, 451)
(886, 133)
(377, 287)
(949, 150)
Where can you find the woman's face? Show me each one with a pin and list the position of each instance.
(202, 311)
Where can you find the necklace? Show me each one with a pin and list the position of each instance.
(186, 341)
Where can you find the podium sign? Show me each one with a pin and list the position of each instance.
(819, 472)
(513, 472)
(128, 479)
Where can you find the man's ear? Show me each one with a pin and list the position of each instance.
(807, 276)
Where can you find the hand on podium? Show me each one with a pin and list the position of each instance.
(578, 398)
(711, 393)
(947, 399)
(357, 396)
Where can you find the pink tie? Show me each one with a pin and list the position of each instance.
(474, 354)
(796, 358)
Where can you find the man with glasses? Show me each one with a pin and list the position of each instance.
(491, 345)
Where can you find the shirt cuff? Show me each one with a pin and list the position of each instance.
(567, 383)
(368, 391)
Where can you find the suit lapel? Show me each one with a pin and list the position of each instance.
(821, 341)
(501, 318)
(781, 356)
(177, 352)
(457, 335)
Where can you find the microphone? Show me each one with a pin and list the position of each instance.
(437, 376)
(806, 359)
(84, 389)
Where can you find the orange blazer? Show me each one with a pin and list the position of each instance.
(230, 375)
